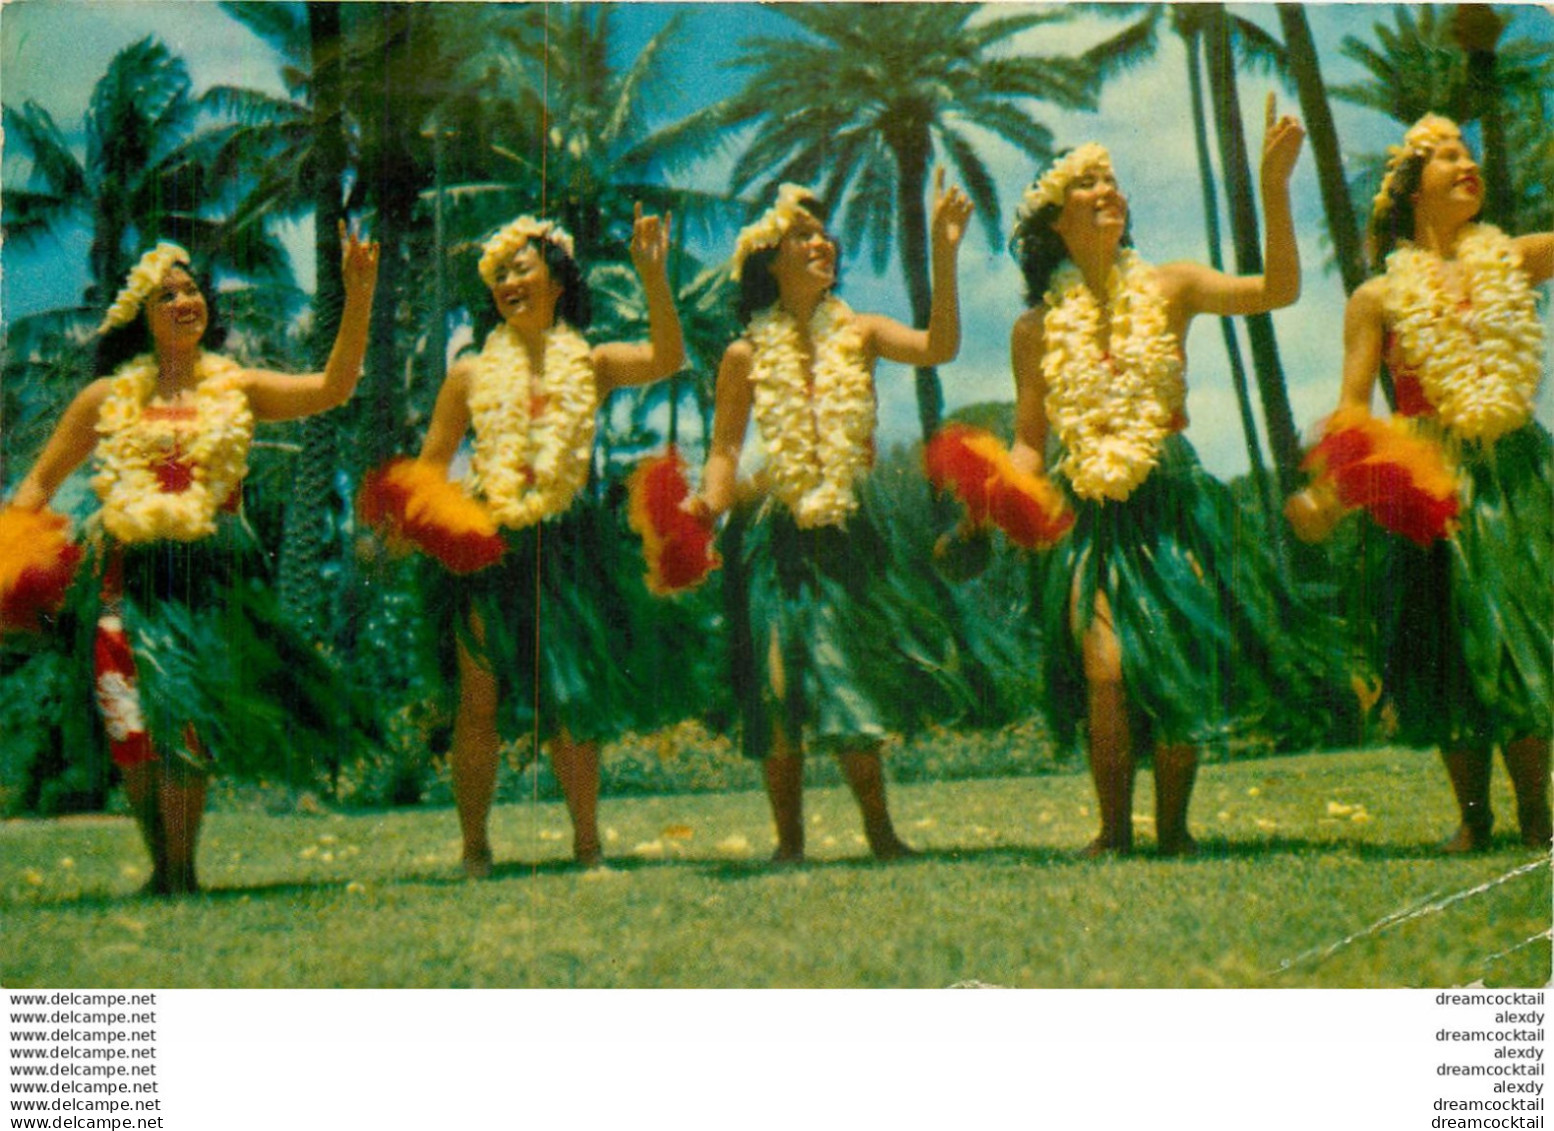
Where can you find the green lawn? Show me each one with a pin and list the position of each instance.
(1317, 872)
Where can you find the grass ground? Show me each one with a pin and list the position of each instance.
(1317, 871)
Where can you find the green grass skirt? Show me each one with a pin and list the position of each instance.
(862, 644)
(214, 650)
(571, 633)
(1195, 598)
(1464, 627)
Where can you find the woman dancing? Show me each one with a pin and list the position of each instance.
(1464, 623)
(170, 432)
(540, 635)
(821, 641)
(1146, 621)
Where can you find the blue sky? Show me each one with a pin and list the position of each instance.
(52, 51)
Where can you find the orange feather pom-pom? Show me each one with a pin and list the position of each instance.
(678, 547)
(412, 501)
(37, 563)
(975, 467)
(1402, 480)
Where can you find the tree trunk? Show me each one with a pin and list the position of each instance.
(309, 533)
(912, 163)
(1318, 115)
(1236, 172)
(1254, 451)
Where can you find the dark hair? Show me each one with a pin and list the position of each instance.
(1397, 221)
(757, 287)
(575, 307)
(134, 337)
(1040, 250)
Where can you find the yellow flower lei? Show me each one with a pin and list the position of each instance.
(526, 467)
(818, 445)
(213, 446)
(1479, 367)
(1111, 413)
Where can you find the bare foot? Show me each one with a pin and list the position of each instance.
(1183, 845)
(477, 865)
(788, 858)
(1466, 839)
(892, 849)
(588, 857)
(1101, 847)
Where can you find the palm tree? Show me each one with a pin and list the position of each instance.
(1235, 167)
(868, 99)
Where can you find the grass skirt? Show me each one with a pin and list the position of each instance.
(213, 651)
(1195, 601)
(1464, 627)
(570, 630)
(862, 648)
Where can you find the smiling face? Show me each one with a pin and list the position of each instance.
(1450, 183)
(806, 256)
(1093, 208)
(524, 291)
(176, 313)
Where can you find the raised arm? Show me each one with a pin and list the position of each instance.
(278, 396)
(889, 339)
(636, 363)
(1026, 344)
(450, 418)
(71, 443)
(1203, 290)
(731, 415)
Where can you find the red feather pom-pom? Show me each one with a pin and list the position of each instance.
(976, 468)
(37, 563)
(1402, 480)
(677, 546)
(410, 501)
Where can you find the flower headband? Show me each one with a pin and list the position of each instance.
(1422, 138)
(772, 226)
(143, 278)
(514, 236)
(1054, 182)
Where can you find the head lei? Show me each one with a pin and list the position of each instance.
(143, 278)
(508, 240)
(1052, 186)
(1422, 139)
(772, 226)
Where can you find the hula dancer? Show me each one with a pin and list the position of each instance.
(1153, 634)
(822, 645)
(1464, 605)
(540, 635)
(185, 641)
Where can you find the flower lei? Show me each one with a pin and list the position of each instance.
(1479, 367)
(530, 461)
(143, 278)
(818, 442)
(1112, 411)
(164, 477)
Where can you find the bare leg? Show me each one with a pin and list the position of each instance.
(473, 760)
(142, 783)
(1111, 738)
(576, 766)
(1469, 772)
(181, 800)
(1111, 768)
(785, 790)
(1176, 768)
(1527, 761)
(866, 777)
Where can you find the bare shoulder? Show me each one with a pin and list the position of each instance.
(1182, 277)
(1367, 299)
(1029, 329)
(739, 357)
